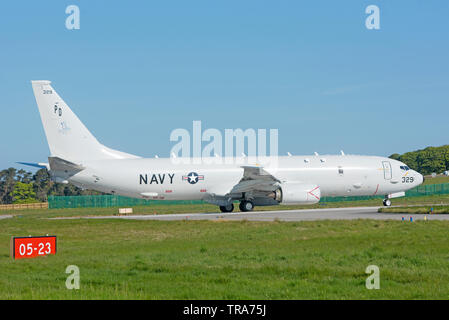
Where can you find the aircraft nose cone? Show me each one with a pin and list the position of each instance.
(420, 179)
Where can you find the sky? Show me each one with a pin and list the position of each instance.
(137, 70)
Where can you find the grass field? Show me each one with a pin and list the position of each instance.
(228, 260)
(437, 180)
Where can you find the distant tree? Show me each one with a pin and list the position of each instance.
(23, 176)
(426, 161)
(395, 156)
(444, 157)
(7, 183)
(431, 160)
(23, 193)
(42, 184)
(20, 186)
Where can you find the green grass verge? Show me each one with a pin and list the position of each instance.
(229, 260)
(417, 210)
(436, 180)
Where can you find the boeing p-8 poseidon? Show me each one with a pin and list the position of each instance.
(78, 157)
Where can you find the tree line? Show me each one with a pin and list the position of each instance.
(426, 161)
(20, 186)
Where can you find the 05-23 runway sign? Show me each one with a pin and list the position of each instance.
(31, 247)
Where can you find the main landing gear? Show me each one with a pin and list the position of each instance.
(246, 205)
(387, 202)
(227, 208)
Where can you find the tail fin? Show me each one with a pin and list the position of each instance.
(67, 136)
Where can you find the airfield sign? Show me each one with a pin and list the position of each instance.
(31, 247)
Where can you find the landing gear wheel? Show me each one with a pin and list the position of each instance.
(387, 202)
(228, 208)
(246, 205)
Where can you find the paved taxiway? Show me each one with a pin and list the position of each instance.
(284, 215)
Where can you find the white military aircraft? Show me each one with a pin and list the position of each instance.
(77, 157)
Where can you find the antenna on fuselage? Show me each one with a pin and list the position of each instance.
(342, 153)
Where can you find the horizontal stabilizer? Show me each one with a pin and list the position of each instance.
(58, 164)
(39, 165)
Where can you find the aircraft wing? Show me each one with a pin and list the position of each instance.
(256, 182)
(255, 179)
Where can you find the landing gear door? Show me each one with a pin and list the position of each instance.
(387, 170)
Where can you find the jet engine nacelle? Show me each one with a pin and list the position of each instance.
(297, 193)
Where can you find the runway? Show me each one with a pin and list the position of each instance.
(285, 215)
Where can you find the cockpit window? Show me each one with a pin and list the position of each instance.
(405, 168)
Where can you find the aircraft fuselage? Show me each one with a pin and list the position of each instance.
(162, 179)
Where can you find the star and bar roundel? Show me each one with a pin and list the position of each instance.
(192, 177)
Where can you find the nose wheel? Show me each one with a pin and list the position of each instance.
(246, 205)
(387, 202)
(228, 208)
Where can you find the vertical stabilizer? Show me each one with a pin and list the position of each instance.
(67, 136)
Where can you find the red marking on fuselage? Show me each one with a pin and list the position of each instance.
(377, 189)
(310, 192)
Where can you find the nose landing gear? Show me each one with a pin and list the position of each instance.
(387, 202)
